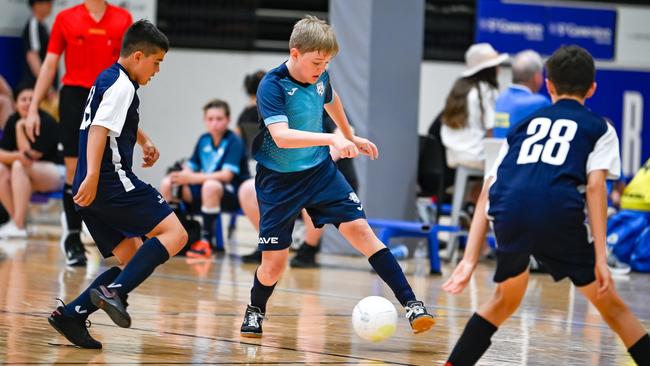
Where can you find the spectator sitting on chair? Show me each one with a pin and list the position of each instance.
(249, 115)
(211, 177)
(521, 98)
(27, 167)
(306, 256)
(468, 116)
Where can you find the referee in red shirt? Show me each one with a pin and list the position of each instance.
(90, 34)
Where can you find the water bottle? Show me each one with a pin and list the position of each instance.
(420, 257)
(400, 251)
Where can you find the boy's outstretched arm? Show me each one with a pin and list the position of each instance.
(288, 138)
(336, 111)
(94, 152)
(150, 153)
(463, 272)
(597, 213)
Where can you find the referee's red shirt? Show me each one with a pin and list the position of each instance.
(89, 46)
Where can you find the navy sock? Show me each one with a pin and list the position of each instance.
(386, 266)
(72, 217)
(209, 217)
(150, 255)
(473, 343)
(640, 351)
(82, 307)
(260, 294)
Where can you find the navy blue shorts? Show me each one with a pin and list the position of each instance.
(126, 215)
(563, 248)
(229, 201)
(322, 190)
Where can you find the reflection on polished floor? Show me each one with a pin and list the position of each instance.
(190, 313)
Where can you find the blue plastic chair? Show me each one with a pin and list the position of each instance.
(388, 229)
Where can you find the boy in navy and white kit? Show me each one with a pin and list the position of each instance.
(553, 165)
(295, 171)
(117, 207)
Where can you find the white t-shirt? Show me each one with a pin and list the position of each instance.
(464, 146)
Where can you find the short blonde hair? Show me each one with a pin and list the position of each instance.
(312, 34)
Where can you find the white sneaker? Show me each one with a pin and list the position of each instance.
(10, 230)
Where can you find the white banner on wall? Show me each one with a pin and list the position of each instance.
(633, 35)
(13, 17)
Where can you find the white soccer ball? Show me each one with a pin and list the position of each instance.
(374, 318)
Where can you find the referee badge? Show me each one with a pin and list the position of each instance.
(320, 88)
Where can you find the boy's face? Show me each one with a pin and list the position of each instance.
(147, 66)
(22, 102)
(216, 121)
(310, 65)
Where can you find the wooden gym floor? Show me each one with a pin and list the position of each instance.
(190, 313)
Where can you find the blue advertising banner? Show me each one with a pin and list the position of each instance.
(623, 97)
(515, 27)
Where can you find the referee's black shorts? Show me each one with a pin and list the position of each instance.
(72, 101)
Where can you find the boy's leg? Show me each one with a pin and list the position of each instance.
(267, 275)
(622, 321)
(211, 194)
(306, 256)
(248, 203)
(71, 242)
(70, 319)
(475, 339)
(362, 238)
(166, 239)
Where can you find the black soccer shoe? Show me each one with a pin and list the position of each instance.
(252, 325)
(255, 257)
(111, 302)
(73, 329)
(421, 321)
(73, 248)
(303, 259)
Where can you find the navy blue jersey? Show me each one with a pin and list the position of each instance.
(229, 154)
(112, 103)
(281, 98)
(540, 176)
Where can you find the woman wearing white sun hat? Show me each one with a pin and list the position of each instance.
(468, 116)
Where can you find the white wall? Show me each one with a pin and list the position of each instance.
(170, 106)
(170, 110)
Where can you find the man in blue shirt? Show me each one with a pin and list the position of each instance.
(521, 98)
(211, 177)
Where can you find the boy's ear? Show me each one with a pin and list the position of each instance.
(294, 53)
(550, 87)
(591, 91)
(138, 55)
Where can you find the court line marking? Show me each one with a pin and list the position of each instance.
(227, 340)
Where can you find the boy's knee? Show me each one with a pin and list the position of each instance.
(211, 188)
(359, 229)
(4, 172)
(272, 269)
(506, 303)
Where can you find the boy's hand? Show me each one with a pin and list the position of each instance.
(460, 278)
(150, 154)
(346, 148)
(87, 191)
(366, 147)
(603, 277)
(182, 178)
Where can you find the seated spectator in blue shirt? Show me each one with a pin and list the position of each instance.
(210, 178)
(521, 98)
